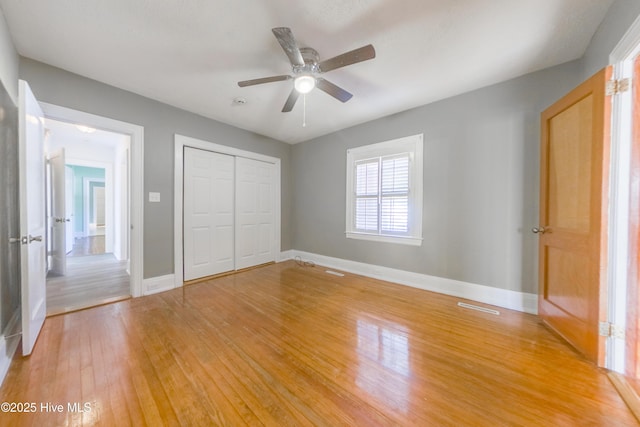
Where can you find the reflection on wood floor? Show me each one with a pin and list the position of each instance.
(287, 345)
(90, 280)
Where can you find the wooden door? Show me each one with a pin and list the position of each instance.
(573, 215)
(255, 214)
(33, 260)
(208, 213)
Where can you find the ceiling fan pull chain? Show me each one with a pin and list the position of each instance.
(304, 110)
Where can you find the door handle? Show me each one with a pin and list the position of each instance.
(25, 240)
(35, 239)
(537, 230)
(62, 220)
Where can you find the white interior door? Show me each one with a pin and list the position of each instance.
(208, 213)
(58, 221)
(68, 200)
(32, 217)
(255, 216)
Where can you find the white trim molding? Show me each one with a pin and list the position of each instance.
(154, 285)
(286, 255)
(622, 58)
(512, 300)
(629, 44)
(9, 343)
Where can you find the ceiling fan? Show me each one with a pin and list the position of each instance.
(307, 68)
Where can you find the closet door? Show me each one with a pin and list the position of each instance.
(255, 217)
(208, 213)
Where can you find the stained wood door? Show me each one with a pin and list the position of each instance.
(208, 213)
(255, 216)
(573, 215)
(33, 261)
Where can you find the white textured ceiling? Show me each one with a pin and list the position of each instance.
(191, 53)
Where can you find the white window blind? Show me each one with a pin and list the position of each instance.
(382, 193)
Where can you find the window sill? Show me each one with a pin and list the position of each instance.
(412, 241)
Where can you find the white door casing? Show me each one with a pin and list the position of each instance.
(254, 212)
(208, 214)
(58, 221)
(135, 196)
(32, 217)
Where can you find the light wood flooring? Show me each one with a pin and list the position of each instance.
(91, 245)
(290, 345)
(90, 280)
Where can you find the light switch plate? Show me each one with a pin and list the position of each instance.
(154, 197)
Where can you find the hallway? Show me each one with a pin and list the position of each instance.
(90, 281)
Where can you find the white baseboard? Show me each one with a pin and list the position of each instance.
(153, 285)
(285, 255)
(8, 346)
(513, 300)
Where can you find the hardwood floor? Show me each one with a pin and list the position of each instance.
(289, 345)
(90, 281)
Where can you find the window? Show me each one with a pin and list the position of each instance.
(384, 191)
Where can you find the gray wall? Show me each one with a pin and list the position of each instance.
(480, 184)
(160, 122)
(619, 18)
(481, 171)
(9, 63)
(9, 220)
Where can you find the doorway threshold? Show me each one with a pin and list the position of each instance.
(56, 311)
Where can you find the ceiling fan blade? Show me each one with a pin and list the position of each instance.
(352, 57)
(333, 90)
(263, 80)
(291, 101)
(288, 43)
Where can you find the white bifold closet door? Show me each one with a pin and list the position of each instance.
(255, 216)
(229, 216)
(208, 213)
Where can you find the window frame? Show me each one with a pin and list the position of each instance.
(413, 145)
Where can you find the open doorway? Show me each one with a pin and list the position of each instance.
(87, 216)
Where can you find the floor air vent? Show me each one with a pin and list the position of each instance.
(478, 308)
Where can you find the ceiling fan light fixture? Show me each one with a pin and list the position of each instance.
(304, 84)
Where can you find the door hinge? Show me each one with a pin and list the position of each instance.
(606, 329)
(614, 87)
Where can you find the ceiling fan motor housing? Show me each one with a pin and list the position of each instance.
(311, 60)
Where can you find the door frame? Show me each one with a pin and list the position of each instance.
(87, 208)
(181, 141)
(622, 310)
(136, 182)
